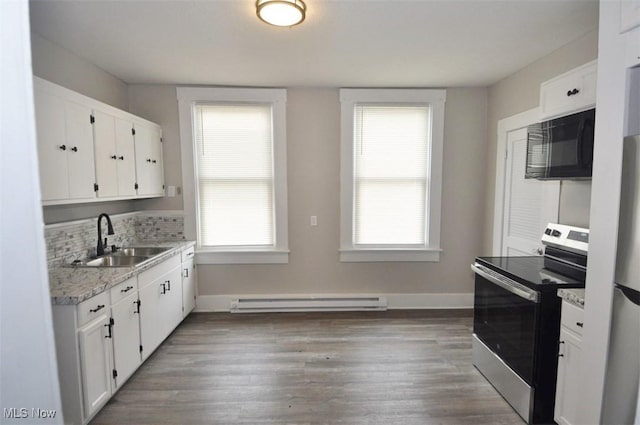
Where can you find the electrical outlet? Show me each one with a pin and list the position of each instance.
(314, 220)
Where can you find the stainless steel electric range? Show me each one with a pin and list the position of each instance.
(516, 323)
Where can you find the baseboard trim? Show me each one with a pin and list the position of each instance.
(222, 303)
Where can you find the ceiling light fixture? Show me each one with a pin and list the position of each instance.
(281, 13)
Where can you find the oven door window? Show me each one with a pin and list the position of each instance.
(507, 324)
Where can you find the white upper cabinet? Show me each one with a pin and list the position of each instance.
(570, 92)
(65, 147)
(115, 158)
(87, 149)
(149, 169)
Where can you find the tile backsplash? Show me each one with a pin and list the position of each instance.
(77, 240)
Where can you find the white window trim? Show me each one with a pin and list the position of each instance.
(430, 252)
(187, 97)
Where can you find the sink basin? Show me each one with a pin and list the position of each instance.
(143, 251)
(126, 257)
(116, 261)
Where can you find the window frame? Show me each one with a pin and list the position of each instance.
(188, 98)
(430, 251)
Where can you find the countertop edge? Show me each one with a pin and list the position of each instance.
(73, 285)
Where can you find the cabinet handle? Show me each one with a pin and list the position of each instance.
(579, 324)
(109, 327)
(137, 304)
(127, 289)
(114, 157)
(148, 159)
(560, 355)
(154, 161)
(98, 308)
(121, 158)
(186, 272)
(164, 289)
(168, 282)
(62, 147)
(74, 149)
(573, 92)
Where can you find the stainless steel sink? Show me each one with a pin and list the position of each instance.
(143, 251)
(126, 257)
(116, 261)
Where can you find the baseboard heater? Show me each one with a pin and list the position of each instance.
(262, 305)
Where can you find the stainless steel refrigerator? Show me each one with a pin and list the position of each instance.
(623, 365)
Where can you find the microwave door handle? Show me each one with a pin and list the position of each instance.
(586, 124)
(579, 153)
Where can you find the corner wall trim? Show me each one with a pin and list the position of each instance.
(222, 303)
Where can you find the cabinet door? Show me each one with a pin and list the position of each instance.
(143, 159)
(160, 310)
(79, 133)
(188, 287)
(126, 157)
(152, 330)
(157, 169)
(52, 146)
(569, 92)
(126, 337)
(568, 390)
(104, 132)
(95, 363)
(149, 169)
(173, 307)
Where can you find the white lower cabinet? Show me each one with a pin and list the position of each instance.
(161, 303)
(95, 363)
(102, 341)
(126, 330)
(188, 282)
(568, 390)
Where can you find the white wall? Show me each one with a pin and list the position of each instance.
(28, 370)
(58, 65)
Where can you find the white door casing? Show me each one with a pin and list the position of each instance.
(523, 207)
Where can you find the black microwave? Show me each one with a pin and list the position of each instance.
(561, 148)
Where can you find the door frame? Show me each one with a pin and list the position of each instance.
(505, 126)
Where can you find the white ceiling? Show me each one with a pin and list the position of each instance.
(356, 43)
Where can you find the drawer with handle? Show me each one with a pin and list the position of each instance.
(124, 289)
(188, 254)
(572, 317)
(93, 308)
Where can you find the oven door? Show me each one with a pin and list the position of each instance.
(506, 316)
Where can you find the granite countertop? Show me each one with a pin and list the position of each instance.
(574, 296)
(72, 285)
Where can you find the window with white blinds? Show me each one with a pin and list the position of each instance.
(234, 167)
(235, 174)
(391, 174)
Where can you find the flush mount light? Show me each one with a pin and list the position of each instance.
(281, 13)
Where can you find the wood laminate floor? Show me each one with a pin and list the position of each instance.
(386, 368)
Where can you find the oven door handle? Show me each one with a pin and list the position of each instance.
(506, 283)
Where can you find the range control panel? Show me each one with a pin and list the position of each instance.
(571, 238)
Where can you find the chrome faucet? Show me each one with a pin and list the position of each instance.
(100, 247)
